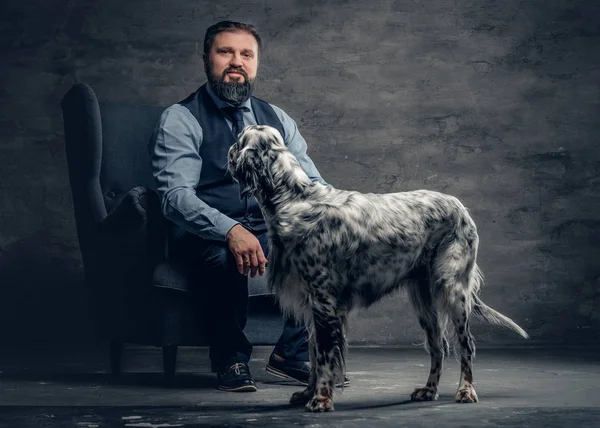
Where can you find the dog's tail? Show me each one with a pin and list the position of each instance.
(484, 311)
(494, 317)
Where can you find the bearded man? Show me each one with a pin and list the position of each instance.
(222, 237)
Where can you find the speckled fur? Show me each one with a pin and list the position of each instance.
(333, 250)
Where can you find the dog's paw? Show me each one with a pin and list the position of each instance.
(300, 398)
(424, 394)
(319, 404)
(466, 394)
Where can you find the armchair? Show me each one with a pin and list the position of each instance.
(138, 294)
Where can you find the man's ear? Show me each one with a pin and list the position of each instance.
(205, 61)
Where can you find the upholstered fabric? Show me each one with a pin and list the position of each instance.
(126, 130)
(138, 295)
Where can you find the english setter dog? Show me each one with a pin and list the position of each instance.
(333, 250)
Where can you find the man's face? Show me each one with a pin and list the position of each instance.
(232, 64)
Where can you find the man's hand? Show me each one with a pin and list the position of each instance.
(247, 251)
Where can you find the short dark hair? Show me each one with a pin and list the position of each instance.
(213, 30)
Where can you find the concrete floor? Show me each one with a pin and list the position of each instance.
(516, 388)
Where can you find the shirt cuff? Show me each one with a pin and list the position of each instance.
(225, 225)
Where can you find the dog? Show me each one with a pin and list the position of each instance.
(334, 250)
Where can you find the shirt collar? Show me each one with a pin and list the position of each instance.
(222, 104)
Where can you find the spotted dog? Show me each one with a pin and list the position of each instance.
(333, 250)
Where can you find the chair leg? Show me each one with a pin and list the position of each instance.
(116, 357)
(169, 362)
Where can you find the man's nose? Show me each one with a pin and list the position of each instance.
(236, 59)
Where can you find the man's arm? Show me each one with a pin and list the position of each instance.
(297, 145)
(176, 166)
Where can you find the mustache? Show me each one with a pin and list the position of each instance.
(235, 70)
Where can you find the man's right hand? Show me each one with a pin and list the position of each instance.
(247, 251)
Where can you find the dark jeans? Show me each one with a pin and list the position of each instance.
(226, 297)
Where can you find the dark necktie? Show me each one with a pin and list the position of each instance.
(236, 115)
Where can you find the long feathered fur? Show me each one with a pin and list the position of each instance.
(333, 250)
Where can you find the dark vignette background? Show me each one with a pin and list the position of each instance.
(494, 102)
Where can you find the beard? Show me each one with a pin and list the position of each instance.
(232, 91)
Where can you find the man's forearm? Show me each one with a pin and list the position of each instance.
(186, 210)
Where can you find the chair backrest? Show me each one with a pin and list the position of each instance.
(126, 132)
(107, 155)
(107, 149)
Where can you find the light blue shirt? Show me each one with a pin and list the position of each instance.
(176, 166)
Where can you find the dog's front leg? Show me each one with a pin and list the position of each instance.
(300, 398)
(328, 356)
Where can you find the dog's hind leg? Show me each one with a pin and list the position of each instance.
(458, 278)
(459, 312)
(420, 293)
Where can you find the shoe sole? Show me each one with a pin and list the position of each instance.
(245, 388)
(278, 373)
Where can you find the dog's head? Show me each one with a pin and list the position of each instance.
(250, 157)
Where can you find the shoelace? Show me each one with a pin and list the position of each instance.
(237, 367)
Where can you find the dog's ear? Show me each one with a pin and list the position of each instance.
(252, 172)
(244, 138)
(247, 173)
(246, 190)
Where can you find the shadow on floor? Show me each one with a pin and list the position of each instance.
(268, 416)
(138, 380)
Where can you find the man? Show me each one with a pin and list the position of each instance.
(213, 228)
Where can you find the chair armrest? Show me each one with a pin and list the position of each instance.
(128, 245)
(135, 210)
(135, 228)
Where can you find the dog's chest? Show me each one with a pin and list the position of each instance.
(292, 295)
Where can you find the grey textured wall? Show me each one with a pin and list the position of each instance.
(494, 102)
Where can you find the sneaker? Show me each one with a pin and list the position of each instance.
(296, 370)
(235, 378)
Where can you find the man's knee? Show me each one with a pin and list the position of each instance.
(219, 259)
